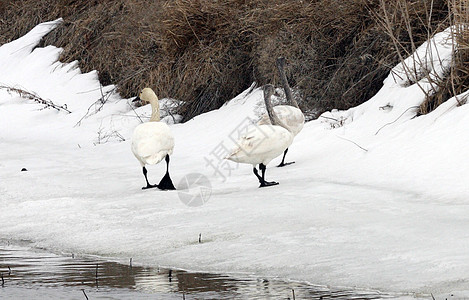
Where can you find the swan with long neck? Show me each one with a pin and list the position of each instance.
(262, 143)
(153, 141)
(290, 115)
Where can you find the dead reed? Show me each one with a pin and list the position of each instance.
(436, 16)
(205, 52)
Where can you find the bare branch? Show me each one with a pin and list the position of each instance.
(36, 98)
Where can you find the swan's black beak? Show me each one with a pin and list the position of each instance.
(136, 99)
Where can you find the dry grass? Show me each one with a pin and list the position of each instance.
(460, 77)
(456, 80)
(205, 52)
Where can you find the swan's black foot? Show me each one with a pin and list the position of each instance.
(268, 183)
(149, 186)
(166, 183)
(282, 164)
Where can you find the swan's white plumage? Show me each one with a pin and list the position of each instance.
(261, 144)
(290, 116)
(151, 142)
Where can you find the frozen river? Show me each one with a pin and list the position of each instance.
(36, 274)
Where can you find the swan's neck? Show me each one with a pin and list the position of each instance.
(155, 113)
(281, 68)
(293, 102)
(274, 119)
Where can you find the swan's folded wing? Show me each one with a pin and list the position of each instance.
(261, 143)
(151, 146)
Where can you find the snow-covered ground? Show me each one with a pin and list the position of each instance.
(376, 199)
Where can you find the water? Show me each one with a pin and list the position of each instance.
(34, 274)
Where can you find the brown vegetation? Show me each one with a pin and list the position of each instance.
(459, 77)
(205, 52)
(456, 79)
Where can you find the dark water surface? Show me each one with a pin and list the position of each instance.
(34, 274)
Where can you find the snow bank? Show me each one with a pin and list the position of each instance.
(376, 199)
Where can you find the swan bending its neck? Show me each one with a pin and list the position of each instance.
(283, 77)
(290, 116)
(274, 119)
(262, 143)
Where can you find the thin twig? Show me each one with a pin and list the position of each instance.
(101, 101)
(364, 149)
(395, 119)
(102, 94)
(168, 109)
(83, 290)
(133, 109)
(97, 265)
(329, 118)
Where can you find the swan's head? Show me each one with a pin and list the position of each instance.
(147, 95)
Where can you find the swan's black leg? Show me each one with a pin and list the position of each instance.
(283, 163)
(257, 175)
(149, 186)
(166, 183)
(263, 182)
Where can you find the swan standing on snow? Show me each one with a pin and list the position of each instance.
(152, 141)
(290, 115)
(262, 143)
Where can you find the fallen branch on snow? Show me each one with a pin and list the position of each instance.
(36, 98)
(364, 149)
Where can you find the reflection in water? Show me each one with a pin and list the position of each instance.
(20, 266)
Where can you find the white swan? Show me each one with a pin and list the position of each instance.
(262, 143)
(290, 115)
(152, 141)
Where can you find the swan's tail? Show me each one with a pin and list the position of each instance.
(154, 159)
(234, 155)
